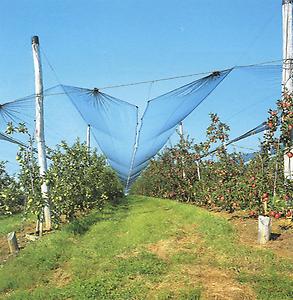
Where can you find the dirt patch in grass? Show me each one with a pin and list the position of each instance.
(128, 254)
(196, 273)
(60, 277)
(219, 284)
(185, 239)
(4, 250)
(163, 249)
(212, 282)
(282, 239)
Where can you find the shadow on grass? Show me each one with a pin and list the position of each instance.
(82, 225)
(275, 236)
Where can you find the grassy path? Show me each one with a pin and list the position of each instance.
(146, 248)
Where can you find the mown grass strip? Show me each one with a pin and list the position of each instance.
(115, 254)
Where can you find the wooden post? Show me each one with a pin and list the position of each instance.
(12, 242)
(40, 136)
(264, 229)
(287, 84)
(88, 138)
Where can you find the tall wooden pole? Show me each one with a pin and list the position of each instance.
(287, 83)
(40, 136)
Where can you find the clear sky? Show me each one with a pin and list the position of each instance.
(103, 42)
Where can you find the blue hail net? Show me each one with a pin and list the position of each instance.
(242, 101)
(244, 95)
(258, 129)
(69, 110)
(113, 122)
(162, 116)
(7, 138)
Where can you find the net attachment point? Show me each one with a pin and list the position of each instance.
(216, 73)
(95, 91)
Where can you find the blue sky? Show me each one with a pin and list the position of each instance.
(99, 43)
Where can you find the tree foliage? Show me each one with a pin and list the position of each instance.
(11, 199)
(207, 175)
(78, 179)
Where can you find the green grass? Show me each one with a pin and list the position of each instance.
(10, 223)
(142, 248)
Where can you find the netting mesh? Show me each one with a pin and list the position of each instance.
(241, 101)
(7, 138)
(244, 96)
(114, 124)
(62, 122)
(67, 112)
(258, 129)
(163, 114)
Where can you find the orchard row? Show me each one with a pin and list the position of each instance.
(189, 172)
